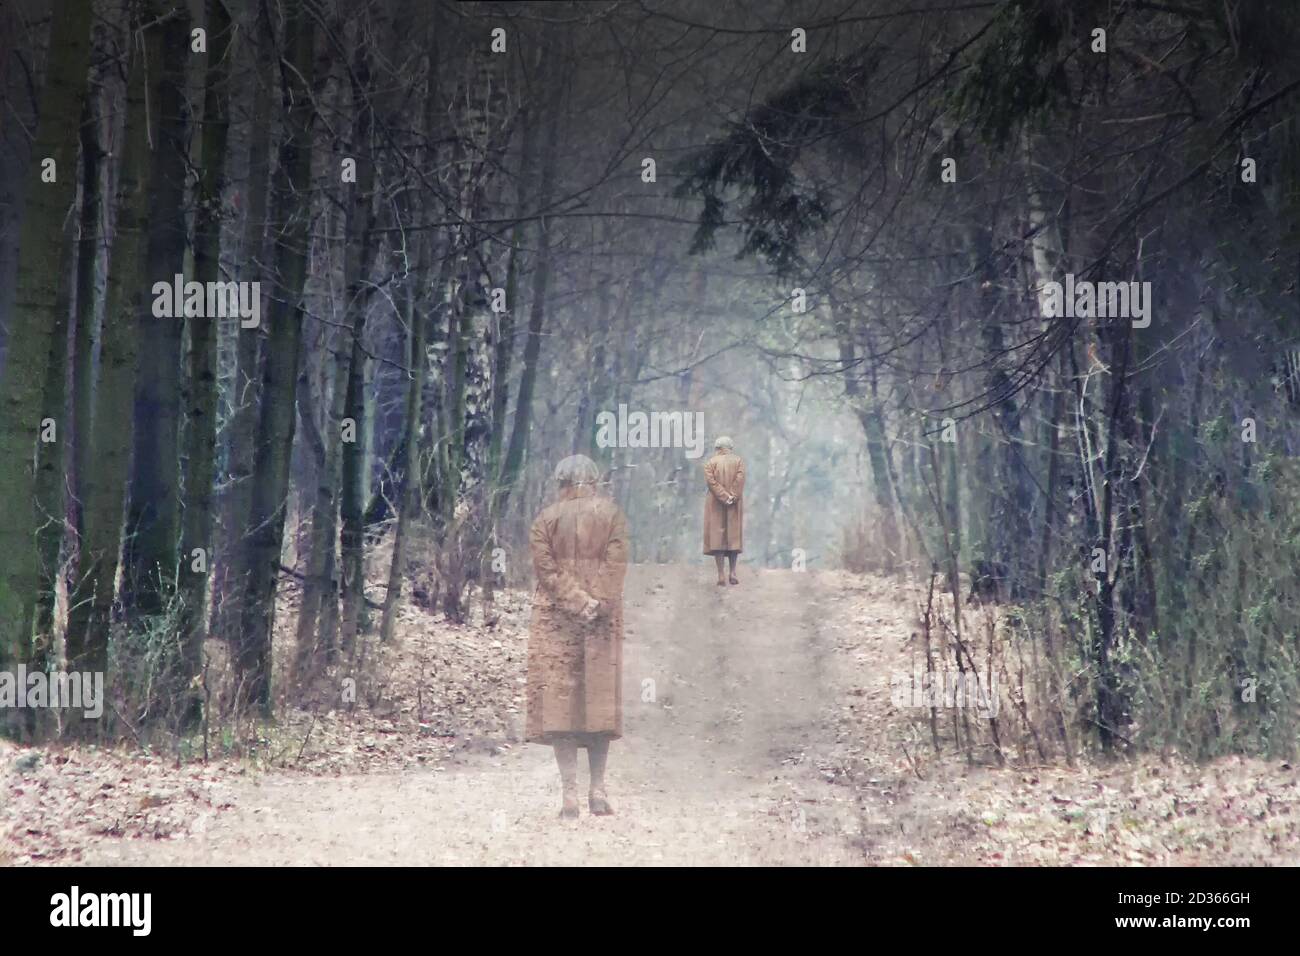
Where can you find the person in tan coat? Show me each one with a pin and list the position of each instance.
(724, 507)
(575, 638)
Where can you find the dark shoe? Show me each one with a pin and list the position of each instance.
(721, 583)
(733, 580)
(598, 805)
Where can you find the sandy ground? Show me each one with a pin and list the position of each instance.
(723, 689)
(759, 730)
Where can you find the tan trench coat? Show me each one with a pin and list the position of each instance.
(724, 524)
(575, 680)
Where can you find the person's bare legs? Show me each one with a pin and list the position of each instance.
(597, 755)
(566, 756)
(719, 559)
(731, 558)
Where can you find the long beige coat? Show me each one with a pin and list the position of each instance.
(724, 524)
(575, 679)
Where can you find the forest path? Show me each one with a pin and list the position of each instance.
(771, 739)
(718, 768)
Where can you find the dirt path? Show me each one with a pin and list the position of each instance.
(726, 693)
(759, 729)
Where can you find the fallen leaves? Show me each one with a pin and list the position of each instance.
(447, 690)
(1144, 811)
(68, 796)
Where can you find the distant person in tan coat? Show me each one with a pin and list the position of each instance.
(575, 639)
(724, 507)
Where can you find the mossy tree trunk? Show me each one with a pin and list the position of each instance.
(34, 319)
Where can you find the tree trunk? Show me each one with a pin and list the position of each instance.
(51, 454)
(233, 577)
(873, 428)
(409, 491)
(320, 589)
(153, 521)
(410, 486)
(201, 428)
(109, 431)
(517, 447)
(467, 481)
(1007, 484)
(280, 380)
(355, 458)
(35, 318)
(352, 499)
(1109, 702)
(88, 315)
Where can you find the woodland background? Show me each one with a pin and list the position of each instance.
(385, 428)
